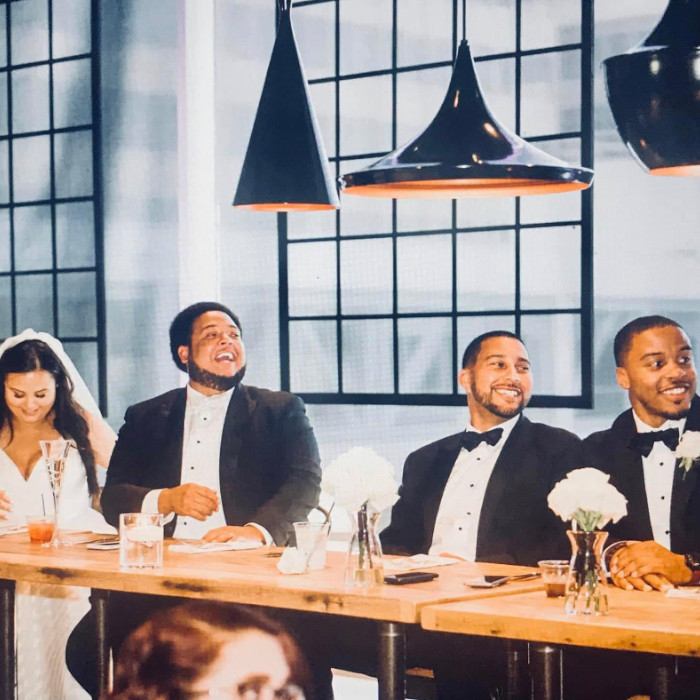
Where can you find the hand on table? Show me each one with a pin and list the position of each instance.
(234, 532)
(191, 500)
(647, 565)
(5, 505)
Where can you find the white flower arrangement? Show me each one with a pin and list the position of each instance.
(586, 497)
(360, 477)
(688, 450)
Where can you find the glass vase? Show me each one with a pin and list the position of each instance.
(587, 587)
(364, 566)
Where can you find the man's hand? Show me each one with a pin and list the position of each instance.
(647, 565)
(233, 532)
(192, 500)
(5, 505)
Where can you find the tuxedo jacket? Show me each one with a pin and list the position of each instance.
(269, 465)
(609, 451)
(515, 526)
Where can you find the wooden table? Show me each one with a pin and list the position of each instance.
(645, 622)
(248, 577)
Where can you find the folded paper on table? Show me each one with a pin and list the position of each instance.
(202, 547)
(12, 529)
(417, 561)
(688, 592)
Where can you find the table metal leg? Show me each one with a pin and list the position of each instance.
(545, 665)
(392, 661)
(99, 600)
(516, 671)
(7, 640)
(663, 677)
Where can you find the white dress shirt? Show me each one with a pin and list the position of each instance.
(457, 522)
(659, 468)
(201, 450)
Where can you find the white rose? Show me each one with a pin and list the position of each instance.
(689, 446)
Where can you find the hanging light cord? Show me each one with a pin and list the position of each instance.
(464, 20)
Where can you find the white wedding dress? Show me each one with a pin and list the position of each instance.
(46, 614)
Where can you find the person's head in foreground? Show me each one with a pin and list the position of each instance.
(210, 650)
(655, 365)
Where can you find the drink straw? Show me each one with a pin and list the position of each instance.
(43, 505)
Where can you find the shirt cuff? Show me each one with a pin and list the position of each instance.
(268, 537)
(150, 505)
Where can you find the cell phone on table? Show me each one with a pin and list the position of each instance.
(104, 543)
(486, 581)
(410, 577)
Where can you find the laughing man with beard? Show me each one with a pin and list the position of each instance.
(482, 493)
(219, 459)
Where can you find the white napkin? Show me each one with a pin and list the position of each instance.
(11, 529)
(292, 561)
(417, 561)
(691, 592)
(230, 545)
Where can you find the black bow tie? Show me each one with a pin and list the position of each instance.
(644, 442)
(471, 439)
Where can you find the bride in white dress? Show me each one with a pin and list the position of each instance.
(43, 397)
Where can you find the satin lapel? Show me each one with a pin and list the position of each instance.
(240, 410)
(627, 475)
(173, 431)
(513, 455)
(437, 476)
(684, 482)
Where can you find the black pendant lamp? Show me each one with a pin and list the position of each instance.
(654, 93)
(285, 166)
(466, 152)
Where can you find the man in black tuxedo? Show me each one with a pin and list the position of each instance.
(220, 460)
(655, 365)
(482, 494)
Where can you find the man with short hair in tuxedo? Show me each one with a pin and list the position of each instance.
(219, 459)
(482, 494)
(655, 366)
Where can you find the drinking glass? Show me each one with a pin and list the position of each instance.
(55, 453)
(140, 540)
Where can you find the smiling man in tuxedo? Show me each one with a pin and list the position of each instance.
(482, 493)
(219, 459)
(655, 366)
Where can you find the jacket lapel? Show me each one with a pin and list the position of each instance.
(238, 416)
(173, 427)
(439, 474)
(683, 482)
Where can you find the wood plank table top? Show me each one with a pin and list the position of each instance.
(648, 622)
(249, 577)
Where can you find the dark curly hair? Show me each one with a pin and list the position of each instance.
(68, 419)
(170, 652)
(181, 327)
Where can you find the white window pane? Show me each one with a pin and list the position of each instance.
(550, 268)
(423, 214)
(77, 315)
(486, 271)
(554, 345)
(424, 32)
(75, 235)
(33, 238)
(368, 372)
(550, 23)
(3, 38)
(424, 273)
(73, 158)
(359, 215)
(312, 279)
(84, 357)
(72, 93)
(30, 99)
(35, 302)
(30, 31)
(71, 27)
(31, 168)
(4, 240)
(313, 356)
(365, 35)
(425, 356)
(365, 115)
(311, 224)
(4, 173)
(563, 206)
(5, 303)
(366, 276)
(485, 211)
(490, 26)
(3, 102)
(314, 29)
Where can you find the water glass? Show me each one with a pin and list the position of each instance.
(312, 539)
(140, 540)
(554, 575)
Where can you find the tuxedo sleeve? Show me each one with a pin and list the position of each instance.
(122, 492)
(405, 533)
(299, 462)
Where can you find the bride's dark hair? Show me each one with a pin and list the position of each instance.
(68, 419)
